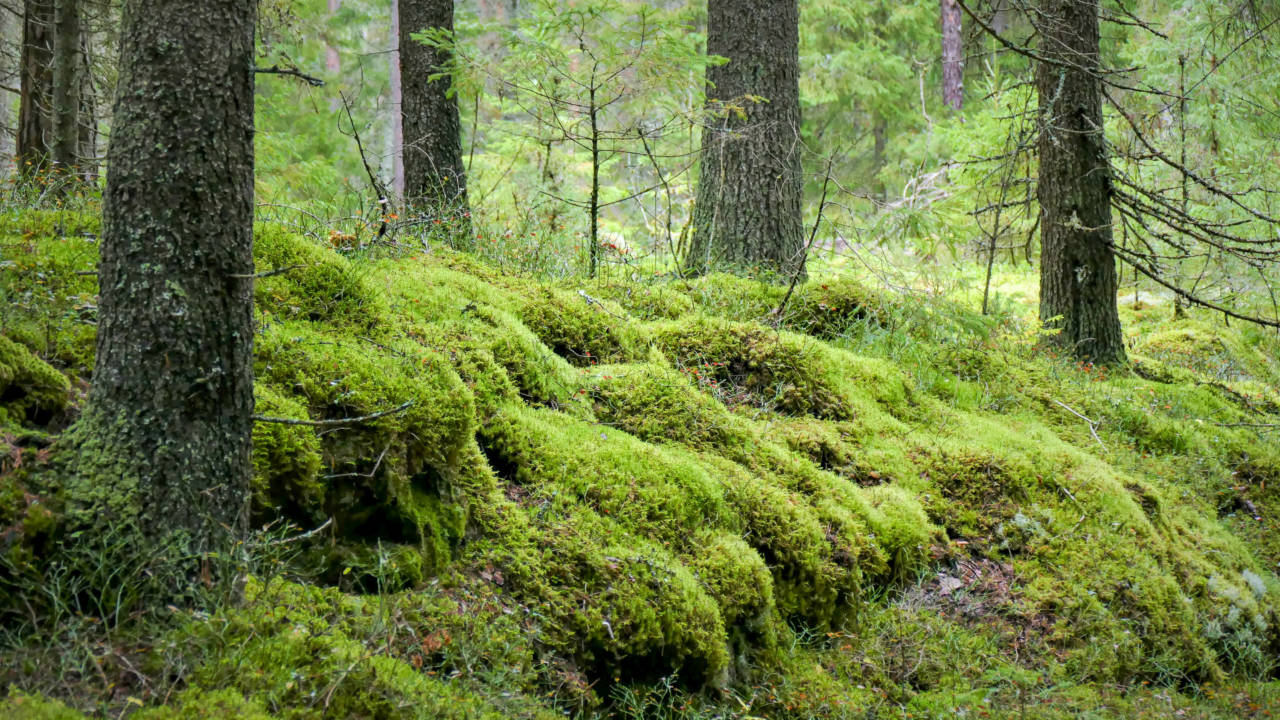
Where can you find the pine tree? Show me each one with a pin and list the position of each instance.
(1078, 280)
(34, 144)
(747, 211)
(435, 177)
(952, 56)
(161, 451)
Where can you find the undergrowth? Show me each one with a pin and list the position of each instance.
(664, 499)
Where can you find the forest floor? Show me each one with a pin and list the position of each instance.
(657, 498)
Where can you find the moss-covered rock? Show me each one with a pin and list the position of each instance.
(30, 390)
(582, 329)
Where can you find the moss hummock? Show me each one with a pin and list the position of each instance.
(644, 498)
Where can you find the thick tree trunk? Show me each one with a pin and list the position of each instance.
(1078, 281)
(435, 177)
(66, 86)
(35, 110)
(161, 452)
(747, 211)
(952, 56)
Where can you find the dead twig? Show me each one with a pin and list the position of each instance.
(336, 422)
(1092, 425)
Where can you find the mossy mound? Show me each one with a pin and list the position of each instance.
(824, 308)
(304, 281)
(31, 391)
(518, 499)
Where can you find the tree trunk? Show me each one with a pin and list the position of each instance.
(66, 86)
(35, 110)
(332, 58)
(435, 177)
(160, 454)
(747, 211)
(952, 56)
(397, 100)
(1078, 281)
(87, 155)
(8, 77)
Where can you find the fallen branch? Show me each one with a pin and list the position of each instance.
(1092, 425)
(337, 422)
(267, 273)
(302, 536)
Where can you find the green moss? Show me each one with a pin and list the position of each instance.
(313, 283)
(300, 653)
(751, 364)
(389, 477)
(823, 308)
(30, 390)
(286, 460)
(591, 494)
(657, 301)
(622, 606)
(21, 706)
(581, 329)
(195, 704)
(657, 491)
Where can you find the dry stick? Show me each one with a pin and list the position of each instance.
(995, 229)
(266, 273)
(813, 234)
(1193, 299)
(301, 536)
(378, 189)
(337, 422)
(1092, 424)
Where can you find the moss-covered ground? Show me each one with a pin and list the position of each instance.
(666, 500)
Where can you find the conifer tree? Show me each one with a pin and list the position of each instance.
(1078, 280)
(160, 454)
(435, 176)
(747, 211)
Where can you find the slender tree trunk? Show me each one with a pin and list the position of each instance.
(435, 177)
(880, 143)
(332, 58)
(747, 211)
(952, 56)
(1078, 281)
(397, 100)
(35, 109)
(66, 86)
(87, 155)
(161, 451)
(8, 77)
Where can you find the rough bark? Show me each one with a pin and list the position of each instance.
(952, 56)
(747, 211)
(67, 65)
(1078, 280)
(161, 451)
(435, 177)
(35, 101)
